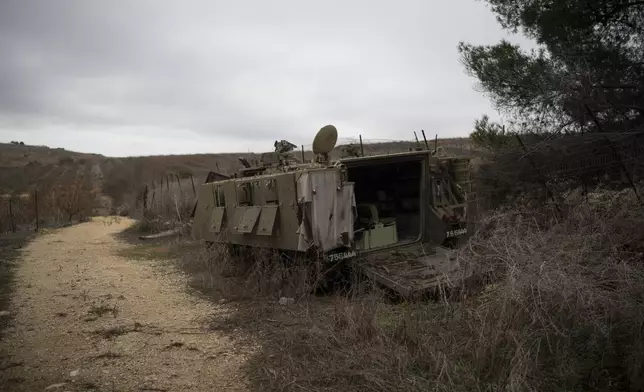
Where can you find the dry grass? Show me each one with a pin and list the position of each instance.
(564, 311)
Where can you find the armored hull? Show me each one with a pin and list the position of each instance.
(293, 210)
(392, 216)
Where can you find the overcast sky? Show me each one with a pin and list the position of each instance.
(132, 77)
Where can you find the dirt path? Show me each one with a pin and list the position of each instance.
(86, 319)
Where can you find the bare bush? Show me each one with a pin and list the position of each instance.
(76, 197)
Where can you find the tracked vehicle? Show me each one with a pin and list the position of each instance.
(394, 217)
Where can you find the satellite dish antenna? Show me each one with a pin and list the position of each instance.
(325, 140)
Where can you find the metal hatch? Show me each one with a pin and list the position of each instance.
(217, 218)
(248, 219)
(267, 220)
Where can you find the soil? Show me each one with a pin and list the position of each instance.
(85, 318)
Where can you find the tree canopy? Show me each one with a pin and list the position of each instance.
(586, 75)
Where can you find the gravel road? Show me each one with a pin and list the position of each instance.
(87, 319)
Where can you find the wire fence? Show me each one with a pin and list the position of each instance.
(553, 170)
(168, 202)
(34, 210)
(17, 212)
(65, 201)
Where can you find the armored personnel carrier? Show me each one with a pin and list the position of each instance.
(394, 217)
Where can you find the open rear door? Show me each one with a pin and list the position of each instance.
(412, 275)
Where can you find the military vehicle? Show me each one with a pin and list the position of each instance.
(394, 217)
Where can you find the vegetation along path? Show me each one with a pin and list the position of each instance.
(85, 318)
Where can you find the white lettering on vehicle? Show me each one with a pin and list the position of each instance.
(456, 233)
(341, 255)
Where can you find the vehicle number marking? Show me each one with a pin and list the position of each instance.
(456, 233)
(341, 255)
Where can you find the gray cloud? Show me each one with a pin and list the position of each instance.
(141, 77)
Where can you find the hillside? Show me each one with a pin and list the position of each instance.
(24, 167)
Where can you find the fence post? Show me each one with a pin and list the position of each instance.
(192, 181)
(145, 198)
(11, 222)
(538, 172)
(161, 196)
(36, 207)
(179, 184)
(624, 169)
(168, 196)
